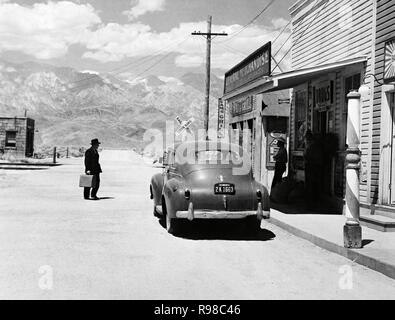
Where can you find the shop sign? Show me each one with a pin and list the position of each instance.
(256, 65)
(389, 61)
(242, 106)
(324, 95)
(221, 119)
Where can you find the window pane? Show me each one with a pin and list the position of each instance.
(356, 81)
(300, 117)
(10, 140)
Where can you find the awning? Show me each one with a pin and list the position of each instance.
(276, 104)
(294, 78)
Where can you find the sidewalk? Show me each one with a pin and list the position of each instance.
(326, 231)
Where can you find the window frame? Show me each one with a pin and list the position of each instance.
(7, 138)
(303, 117)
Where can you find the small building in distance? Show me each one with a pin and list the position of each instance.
(17, 136)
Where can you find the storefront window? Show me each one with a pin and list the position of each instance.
(352, 83)
(300, 118)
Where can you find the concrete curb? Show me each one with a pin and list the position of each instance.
(362, 259)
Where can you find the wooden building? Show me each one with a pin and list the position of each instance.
(382, 161)
(339, 46)
(335, 32)
(256, 119)
(16, 137)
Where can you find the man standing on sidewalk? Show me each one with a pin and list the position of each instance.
(92, 167)
(313, 161)
(281, 159)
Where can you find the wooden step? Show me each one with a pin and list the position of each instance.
(386, 211)
(378, 222)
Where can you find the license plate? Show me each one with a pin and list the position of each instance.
(224, 188)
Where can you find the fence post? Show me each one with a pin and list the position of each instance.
(54, 155)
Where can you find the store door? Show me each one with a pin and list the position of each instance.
(392, 169)
(320, 122)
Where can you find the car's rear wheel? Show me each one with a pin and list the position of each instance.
(172, 225)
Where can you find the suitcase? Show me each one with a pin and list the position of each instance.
(87, 181)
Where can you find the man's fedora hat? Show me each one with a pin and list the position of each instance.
(95, 141)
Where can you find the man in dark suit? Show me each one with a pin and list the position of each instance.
(281, 158)
(92, 167)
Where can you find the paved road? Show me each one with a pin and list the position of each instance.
(53, 245)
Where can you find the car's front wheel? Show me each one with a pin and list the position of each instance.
(156, 213)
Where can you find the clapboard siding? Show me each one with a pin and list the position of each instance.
(385, 30)
(383, 6)
(321, 34)
(344, 44)
(329, 37)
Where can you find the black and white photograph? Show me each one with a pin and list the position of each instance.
(197, 153)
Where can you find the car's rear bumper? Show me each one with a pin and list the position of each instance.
(221, 214)
(208, 214)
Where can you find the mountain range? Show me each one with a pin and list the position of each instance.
(71, 107)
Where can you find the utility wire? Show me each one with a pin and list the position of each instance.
(281, 32)
(234, 50)
(155, 54)
(308, 26)
(138, 61)
(283, 44)
(150, 58)
(232, 35)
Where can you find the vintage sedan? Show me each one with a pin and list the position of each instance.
(206, 180)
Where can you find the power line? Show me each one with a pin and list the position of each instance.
(283, 44)
(141, 60)
(233, 50)
(232, 35)
(308, 26)
(281, 32)
(148, 58)
(176, 43)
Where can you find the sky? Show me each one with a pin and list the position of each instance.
(136, 38)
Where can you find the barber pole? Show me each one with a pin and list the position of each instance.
(352, 229)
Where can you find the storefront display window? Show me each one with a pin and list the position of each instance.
(351, 83)
(300, 118)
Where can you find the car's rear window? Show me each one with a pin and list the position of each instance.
(217, 156)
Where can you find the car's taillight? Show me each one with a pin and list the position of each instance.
(259, 194)
(187, 194)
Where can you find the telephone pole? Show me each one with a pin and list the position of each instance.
(208, 36)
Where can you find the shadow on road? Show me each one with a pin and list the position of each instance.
(219, 230)
(106, 198)
(301, 208)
